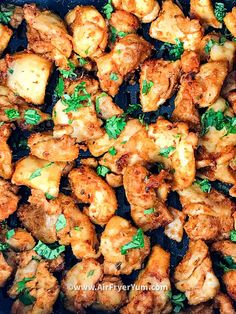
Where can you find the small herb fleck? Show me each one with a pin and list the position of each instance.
(103, 171)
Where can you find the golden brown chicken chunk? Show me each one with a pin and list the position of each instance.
(21, 240)
(39, 174)
(89, 188)
(230, 21)
(8, 199)
(47, 35)
(229, 279)
(47, 147)
(203, 10)
(6, 166)
(78, 283)
(155, 274)
(42, 287)
(224, 304)
(210, 214)
(5, 271)
(226, 248)
(116, 237)
(124, 21)
(5, 35)
(171, 24)
(194, 275)
(190, 62)
(89, 30)
(147, 210)
(175, 229)
(162, 78)
(126, 56)
(145, 10)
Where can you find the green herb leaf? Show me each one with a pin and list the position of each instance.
(98, 101)
(165, 152)
(68, 73)
(112, 151)
(114, 33)
(90, 273)
(136, 243)
(10, 234)
(114, 126)
(26, 298)
(132, 108)
(38, 172)
(114, 77)
(82, 61)
(177, 50)
(177, 301)
(49, 196)
(108, 9)
(21, 284)
(11, 71)
(204, 185)
(220, 11)
(77, 228)
(1, 123)
(6, 14)
(45, 251)
(147, 87)
(12, 114)
(60, 87)
(61, 222)
(31, 116)
(4, 246)
(213, 42)
(103, 171)
(233, 235)
(228, 264)
(149, 211)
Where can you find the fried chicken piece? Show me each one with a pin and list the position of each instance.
(8, 199)
(117, 233)
(147, 210)
(17, 17)
(190, 62)
(145, 10)
(175, 229)
(21, 240)
(89, 31)
(43, 286)
(88, 187)
(229, 279)
(155, 274)
(47, 35)
(5, 34)
(230, 21)
(164, 75)
(203, 10)
(5, 271)
(144, 304)
(114, 180)
(210, 214)
(224, 304)
(194, 275)
(126, 56)
(124, 21)
(229, 89)
(171, 24)
(45, 146)
(226, 248)
(202, 308)
(105, 106)
(6, 166)
(86, 273)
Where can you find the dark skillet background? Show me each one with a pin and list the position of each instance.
(128, 94)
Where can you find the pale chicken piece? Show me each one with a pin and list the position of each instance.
(45, 146)
(175, 229)
(147, 210)
(164, 76)
(6, 166)
(194, 275)
(118, 232)
(47, 35)
(203, 10)
(89, 31)
(124, 21)
(43, 287)
(27, 75)
(155, 274)
(89, 188)
(171, 24)
(8, 199)
(230, 21)
(90, 162)
(5, 35)
(5, 271)
(112, 296)
(210, 214)
(105, 106)
(224, 304)
(75, 285)
(39, 174)
(225, 52)
(114, 180)
(145, 10)
(126, 56)
(171, 144)
(21, 240)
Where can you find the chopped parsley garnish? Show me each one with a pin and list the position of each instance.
(219, 121)
(149, 211)
(21, 284)
(11, 71)
(49, 196)
(147, 87)
(12, 114)
(233, 235)
(90, 273)
(1, 123)
(78, 99)
(102, 170)
(132, 108)
(165, 152)
(136, 243)
(108, 9)
(98, 101)
(6, 14)
(82, 61)
(31, 116)
(220, 11)
(60, 87)
(4, 246)
(45, 251)
(177, 301)
(115, 33)
(25, 297)
(77, 228)
(38, 172)
(61, 222)
(228, 264)
(204, 185)
(10, 234)
(114, 76)
(114, 126)
(112, 151)
(68, 73)
(177, 50)
(213, 42)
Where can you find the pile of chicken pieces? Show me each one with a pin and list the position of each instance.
(94, 53)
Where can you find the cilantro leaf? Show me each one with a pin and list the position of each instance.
(21, 284)
(177, 50)
(132, 108)
(6, 13)
(68, 73)
(31, 116)
(82, 61)
(213, 42)
(45, 251)
(4, 246)
(90, 273)
(10, 234)
(136, 243)
(114, 126)
(149, 211)
(165, 152)
(228, 264)
(108, 9)
(11, 71)
(177, 301)
(147, 87)
(12, 114)
(49, 196)
(233, 235)
(26, 298)
(114, 76)
(61, 222)
(102, 170)
(38, 172)
(60, 87)
(220, 11)
(112, 151)
(114, 33)
(98, 101)
(204, 185)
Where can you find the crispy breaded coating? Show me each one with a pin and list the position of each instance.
(175, 229)
(171, 24)
(226, 248)
(203, 10)
(164, 75)
(124, 21)
(6, 166)
(47, 35)
(8, 199)
(154, 275)
(126, 56)
(230, 21)
(194, 275)
(229, 279)
(5, 35)
(190, 62)
(117, 233)
(5, 271)
(89, 188)
(21, 240)
(224, 303)
(89, 31)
